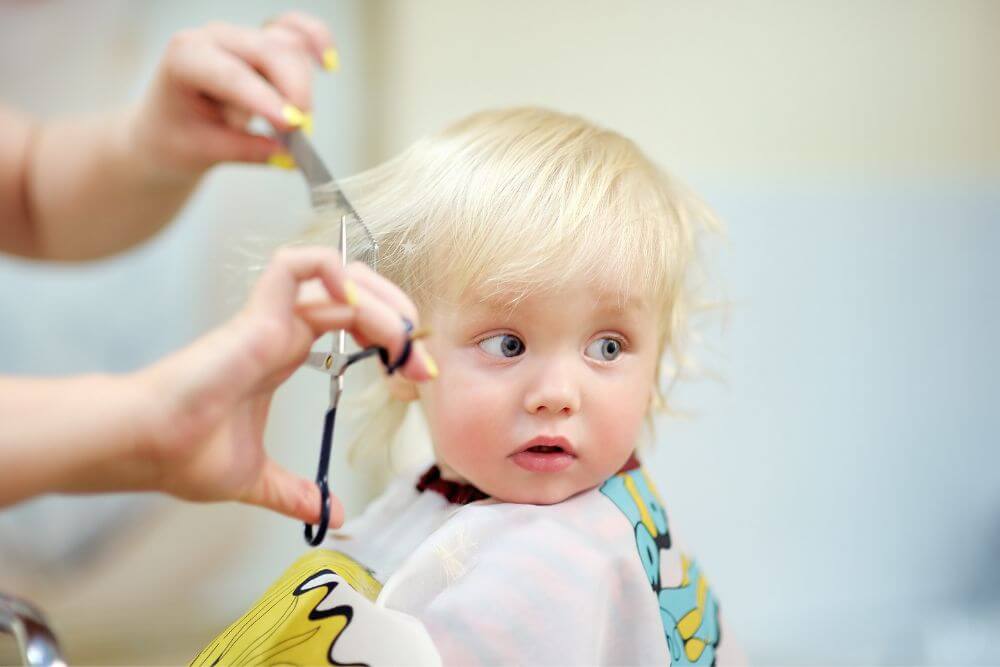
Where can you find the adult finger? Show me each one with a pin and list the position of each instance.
(371, 321)
(420, 360)
(279, 285)
(225, 144)
(215, 72)
(286, 493)
(315, 32)
(282, 64)
(235, 117)
(383, 288)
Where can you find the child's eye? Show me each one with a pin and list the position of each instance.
(605, 349)
(502, 345)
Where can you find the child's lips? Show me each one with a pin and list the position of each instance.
(545, 454)
(534, 461)
(543, 442)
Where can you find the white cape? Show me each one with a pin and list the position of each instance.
(417, 580)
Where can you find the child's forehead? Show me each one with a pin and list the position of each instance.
(589, 297)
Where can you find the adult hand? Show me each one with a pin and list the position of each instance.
(84, 187)
(204, 439)
(212, 79)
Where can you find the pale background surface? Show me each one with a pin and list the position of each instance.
(839, 484)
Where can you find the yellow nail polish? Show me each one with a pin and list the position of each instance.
(331, 60)
(351, 292)
(432, 366)
(292, 115)
(282, 161)
(307, 123)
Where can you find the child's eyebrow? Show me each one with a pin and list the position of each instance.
(605, 303)
(616, 303)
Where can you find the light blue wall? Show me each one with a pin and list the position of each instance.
(841, 483)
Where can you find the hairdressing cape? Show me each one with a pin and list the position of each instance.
(421, 580)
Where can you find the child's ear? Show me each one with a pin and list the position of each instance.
(401, 389)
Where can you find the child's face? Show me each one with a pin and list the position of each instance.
(566, 365)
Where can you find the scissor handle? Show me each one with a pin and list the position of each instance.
(315, 537)
(383, 354)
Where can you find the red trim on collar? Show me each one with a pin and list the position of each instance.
(461, 493)
(458, 493)
(631, 464)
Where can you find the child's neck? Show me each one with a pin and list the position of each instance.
(449, 474)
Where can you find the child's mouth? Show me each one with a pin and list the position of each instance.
(545, 449)
(549, 457)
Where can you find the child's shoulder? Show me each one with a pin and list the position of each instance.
(625, 511)
(586, 543)
(525, 579)
(616, 540)
(603, 559)
(586, 524)
(622, 519)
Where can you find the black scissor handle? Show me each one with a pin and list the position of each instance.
(383, 354)
(315, 537)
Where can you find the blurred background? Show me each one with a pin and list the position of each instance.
(838, 477)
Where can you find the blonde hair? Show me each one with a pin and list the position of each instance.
(509, 202)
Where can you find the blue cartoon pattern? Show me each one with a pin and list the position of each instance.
(689, 611)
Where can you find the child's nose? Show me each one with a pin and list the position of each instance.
(554, 393)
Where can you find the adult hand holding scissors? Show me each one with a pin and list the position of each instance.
(192, 424)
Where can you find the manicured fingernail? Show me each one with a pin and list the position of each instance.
(432, 366)
(331, 60)
(351, 292)
(307, 123)
(292, 115)
(282, 161)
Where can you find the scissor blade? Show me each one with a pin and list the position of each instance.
(337, 383)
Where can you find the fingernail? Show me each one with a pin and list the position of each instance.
(307, 123)
(432, 366)
(292, 115)
(282, 161)
(331, 60)
(351, 292)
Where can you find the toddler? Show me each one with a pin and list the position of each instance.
(553, 264)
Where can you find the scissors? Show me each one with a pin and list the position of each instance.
(324, 192)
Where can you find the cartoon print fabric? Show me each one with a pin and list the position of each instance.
(592, 580)
(690, 613)
(319, 612)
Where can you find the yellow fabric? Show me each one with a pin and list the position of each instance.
(278, 628)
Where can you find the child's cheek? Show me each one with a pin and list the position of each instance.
(620, 420)
(472, 413)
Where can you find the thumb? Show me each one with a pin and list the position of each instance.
(279, 490)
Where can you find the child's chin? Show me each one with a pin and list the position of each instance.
(536, 496)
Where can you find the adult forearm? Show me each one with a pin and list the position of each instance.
(91, 191)
(71, 435)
